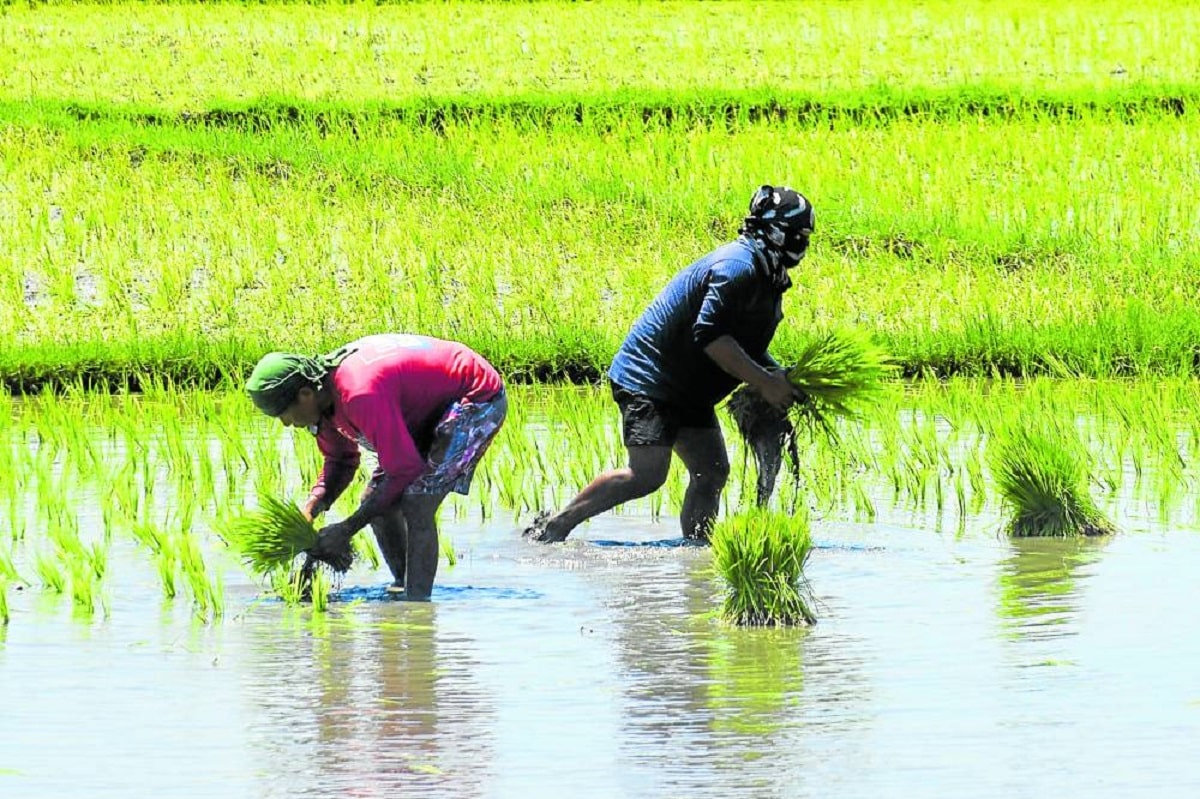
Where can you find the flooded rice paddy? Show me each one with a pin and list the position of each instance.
(948, 661)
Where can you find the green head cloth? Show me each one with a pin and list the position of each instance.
(278, 378)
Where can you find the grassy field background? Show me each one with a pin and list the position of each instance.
(180, 55)
(184, 187)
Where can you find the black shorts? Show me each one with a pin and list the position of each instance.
(649, 422)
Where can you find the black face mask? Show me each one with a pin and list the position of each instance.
(794, 248)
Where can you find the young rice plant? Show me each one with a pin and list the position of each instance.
(1042, 472)
(760, 557)
(835, 375)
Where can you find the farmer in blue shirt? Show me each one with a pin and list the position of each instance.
(703, 335)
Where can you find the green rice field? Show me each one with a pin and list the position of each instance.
(1005, 206)
(171, 471)
(205, 183)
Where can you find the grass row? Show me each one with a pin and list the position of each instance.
(606, 111)
(979, 247)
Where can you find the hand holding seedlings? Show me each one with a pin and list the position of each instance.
(312, 508)
(776, 389)
(333, 546)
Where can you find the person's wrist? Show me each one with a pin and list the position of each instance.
(762, 379)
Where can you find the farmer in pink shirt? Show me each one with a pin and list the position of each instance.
(427, 408)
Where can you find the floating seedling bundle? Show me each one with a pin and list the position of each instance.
(760, 556)
(834, 376)
(1043, 472)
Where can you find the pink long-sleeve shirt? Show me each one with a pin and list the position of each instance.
(388, 396)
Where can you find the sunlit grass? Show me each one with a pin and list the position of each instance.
(180, 54)
(171, 263)
(760, 556)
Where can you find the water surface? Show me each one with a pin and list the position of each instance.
(948, 661)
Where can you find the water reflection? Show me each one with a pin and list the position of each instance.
(706, 704)
(1040, 584)
(678, 704)
(755, 680)
(367, 701)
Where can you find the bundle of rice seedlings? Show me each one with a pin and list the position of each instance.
(270, 537)
(835, 375)
(760, 557)
(1043, 471)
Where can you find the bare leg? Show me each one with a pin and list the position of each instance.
(702, 450)
(391, 533)
(420, 512)
(646, 472)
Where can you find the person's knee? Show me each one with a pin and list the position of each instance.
(420, 510)
(712, 478)
(647, 479)
(648, 468)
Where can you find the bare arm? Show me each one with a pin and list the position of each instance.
(333, 541)
(729, 355)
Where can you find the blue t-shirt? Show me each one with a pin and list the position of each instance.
(721, 294)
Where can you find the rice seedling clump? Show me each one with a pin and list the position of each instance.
(760, 557)
(835, 375)
(270, 537)
(1042, 472)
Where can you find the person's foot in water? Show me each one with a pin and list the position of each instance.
(540, 530)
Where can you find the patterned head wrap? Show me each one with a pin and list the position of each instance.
(279, 376)
(780, 221)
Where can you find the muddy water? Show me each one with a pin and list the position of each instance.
(942, 666)
(948, 661)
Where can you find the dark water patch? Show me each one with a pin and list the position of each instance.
(660, 543)
(842, 546)
(679, 543)
(441, 593)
